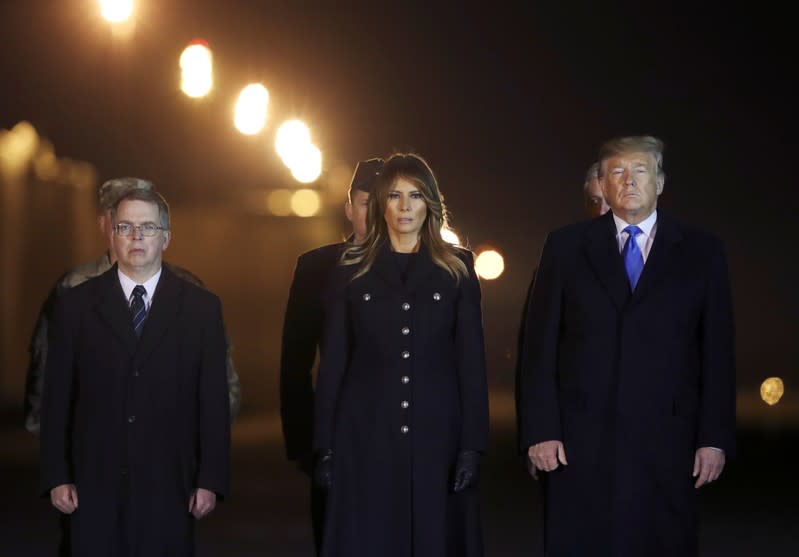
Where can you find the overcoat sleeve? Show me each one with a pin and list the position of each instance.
(335, 354)
(538, 377)
(301, 331)
(717, 380)
(55, 448)
(471, 362)
(213, 471)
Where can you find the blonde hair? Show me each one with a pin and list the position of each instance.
(633, 144)
(415, 169)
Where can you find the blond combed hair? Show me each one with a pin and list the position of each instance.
(415, 169)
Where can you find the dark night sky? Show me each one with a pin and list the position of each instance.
(508, 102)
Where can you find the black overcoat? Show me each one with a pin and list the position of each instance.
(401, 389)
(302, 332)
(152, 413)
(632, 383)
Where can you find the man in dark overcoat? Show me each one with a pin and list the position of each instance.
(628, 375)
(302, 332)
(135, 435)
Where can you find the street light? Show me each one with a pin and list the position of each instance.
(292, 138)
(307, 164)
(250, 112)
(489, 264)
(196, 66)
(449, 236)
(116, 11)
(305, 203)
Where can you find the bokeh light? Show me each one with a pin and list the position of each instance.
(292, 138)
(771, 390)
(305, 203)
(196, 66)
(279, 202)
(307, 165)
(116, 11)
(250, 112)
(489, 264)
(449, 236)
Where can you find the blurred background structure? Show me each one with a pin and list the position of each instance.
(250, 117)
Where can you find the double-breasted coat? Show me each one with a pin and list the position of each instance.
(631, 382)
(148, 417)
(401, 389)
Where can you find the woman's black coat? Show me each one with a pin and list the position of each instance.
(401, 389)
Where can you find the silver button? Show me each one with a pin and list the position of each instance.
(405, 429)
(405, 404)
(406, 355)
(406, 331)
(131, 419)
(406, 379)
(436, 296)
(367, 297)
(135, 373)
(406, 306)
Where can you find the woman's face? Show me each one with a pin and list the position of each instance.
(406, 209)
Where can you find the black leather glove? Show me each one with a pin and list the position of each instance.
(323, 470)
(467, 471)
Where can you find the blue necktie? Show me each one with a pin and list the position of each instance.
(633, 258)
(138, 309)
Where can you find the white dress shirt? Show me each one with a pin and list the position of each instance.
(128, 284)
(648, 228)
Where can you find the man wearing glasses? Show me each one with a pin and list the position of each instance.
(135, 431)
(107, 195)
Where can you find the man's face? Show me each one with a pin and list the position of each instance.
(631, 185)
(356, 211)
(139, 256)
(595, 203)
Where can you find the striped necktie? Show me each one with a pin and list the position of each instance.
(138, 309)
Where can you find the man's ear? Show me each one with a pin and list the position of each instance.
(348, 210)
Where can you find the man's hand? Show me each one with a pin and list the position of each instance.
(708, 465)
(546, 455)
(65, 498)
(201, 502)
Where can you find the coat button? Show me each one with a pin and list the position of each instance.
(405, 429)
(135, 373)
(131, 419)
(406, 379)
(367, 297)
(406, 331)
(405, 404)
(406, 355)
(436, 296)
(406, 306)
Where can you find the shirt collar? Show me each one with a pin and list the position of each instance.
(128, 284)
(646, 225)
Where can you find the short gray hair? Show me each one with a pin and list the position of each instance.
(150, 196)
(592, 174)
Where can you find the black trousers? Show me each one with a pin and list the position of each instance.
(318, 505)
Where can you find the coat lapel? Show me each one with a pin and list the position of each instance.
(603, 253)
(164, 308)
(113, 309)
(661, 255)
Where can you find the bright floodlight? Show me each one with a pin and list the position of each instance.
(307, 166)
(305, 203)
(449, 236)
(489, 264)
(771, 390)
(250, 113)
(116, 11)
(196, 66)
(292, 138)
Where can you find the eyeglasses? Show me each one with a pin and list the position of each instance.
(146, 229)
